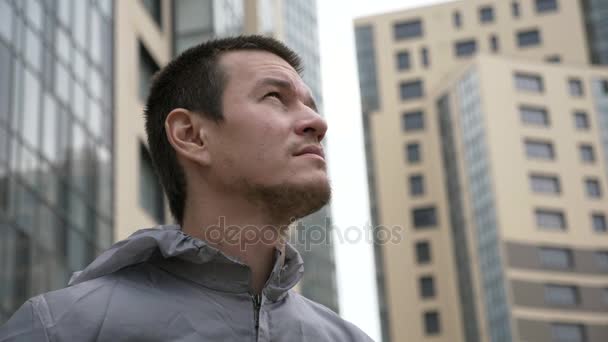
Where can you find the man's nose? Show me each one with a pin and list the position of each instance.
(312, 124)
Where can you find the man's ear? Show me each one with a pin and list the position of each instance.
(186, 132)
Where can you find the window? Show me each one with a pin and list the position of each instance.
(5, 82)
(423, 252)
(427, 287)
(550, 219)
(424, 56)
(424, 217)
(456, 19)
(465, 48)
(581, 120)
(544, 184)
(587, 154)
(408, 29)
(561, 295)
(575, 87)
(403, 60)
(546, 6)
(431, 323)
(515, 9)
(150, 192)
(557, 258)
(416, 185)
(154, 8)
(566, 332)
(599, 223)
(534, 116)
(411, 90)
(413, 153)
(537, 149)
(494, 43)
(412, 121)
(147, 69)
(605, 87)
(553, 59)
(528, 82)
(601, 257)
(486, 14)
(592, 186)
(528, 38)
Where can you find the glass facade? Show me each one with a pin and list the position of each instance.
(457, 220)
(368, 86)
(600, 99)
(196, 21)
(56, 136)
(484, 211)
(595, 13)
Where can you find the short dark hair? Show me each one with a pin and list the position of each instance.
(194, 81)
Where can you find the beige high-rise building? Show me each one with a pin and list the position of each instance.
(486, 129)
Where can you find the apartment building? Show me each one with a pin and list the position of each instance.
(452, 138)
(75, 174)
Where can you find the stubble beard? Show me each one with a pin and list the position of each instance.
(288, 202)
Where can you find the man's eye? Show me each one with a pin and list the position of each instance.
(273, 94)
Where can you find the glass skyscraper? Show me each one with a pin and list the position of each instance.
(56, 163)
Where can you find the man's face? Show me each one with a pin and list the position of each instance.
(268, 145)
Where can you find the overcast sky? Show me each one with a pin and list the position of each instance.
(350, 205)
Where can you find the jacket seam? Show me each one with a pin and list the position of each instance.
(105, 313)
(39, 304)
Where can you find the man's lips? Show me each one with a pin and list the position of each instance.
(312, 149)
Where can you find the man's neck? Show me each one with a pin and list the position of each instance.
(240, 230)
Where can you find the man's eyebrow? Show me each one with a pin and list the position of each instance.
(284, 84)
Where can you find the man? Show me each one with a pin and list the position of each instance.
(235, 136)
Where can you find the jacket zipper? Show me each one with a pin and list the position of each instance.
(257, 303)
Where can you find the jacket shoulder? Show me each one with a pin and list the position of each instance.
(339, 327)
(72, 312)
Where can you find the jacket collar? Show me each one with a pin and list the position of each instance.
(193, 259)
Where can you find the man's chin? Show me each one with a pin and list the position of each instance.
(292, 201)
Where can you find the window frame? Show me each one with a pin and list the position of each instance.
(426, 287)
(555, 266)
(538, 142)
(599, 222)
(521, 77)
(424, 217)
(523, 41)
(458, 46)
(416, 89)
(401, 29)
(542, 177)
(528, 109)
(403, 66)
(423, 253)
(416, 121)
(416, 185)
(576, 82)
(557, 213)
(539, 9)
(483, 14)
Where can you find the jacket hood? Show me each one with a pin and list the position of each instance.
(185, 256)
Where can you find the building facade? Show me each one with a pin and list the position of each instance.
(485, 134)
(75, 173)
(56, 143)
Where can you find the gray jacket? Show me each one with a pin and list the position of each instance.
(163, 285)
